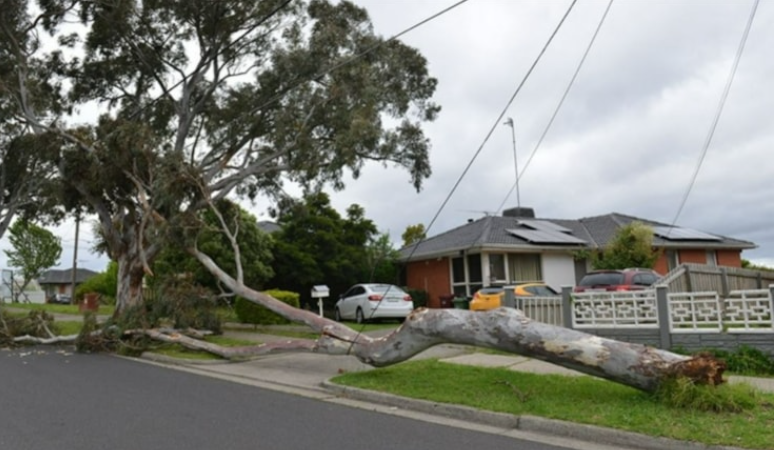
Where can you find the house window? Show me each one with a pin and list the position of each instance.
(525, 267)
(458, 270)
(710, 257)
(497, 268)
(474, 268)
(672, 259)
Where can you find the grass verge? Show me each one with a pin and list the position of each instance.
(59, 309)
(576, 399)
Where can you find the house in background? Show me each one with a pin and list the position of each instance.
(517, 248)
(61, 281)
(268, 226)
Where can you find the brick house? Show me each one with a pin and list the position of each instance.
(55, 281)
(517, 247)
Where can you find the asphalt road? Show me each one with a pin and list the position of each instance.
(51, 398)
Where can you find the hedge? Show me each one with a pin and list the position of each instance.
(249, 312)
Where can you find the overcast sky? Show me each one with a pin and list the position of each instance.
(627, 139)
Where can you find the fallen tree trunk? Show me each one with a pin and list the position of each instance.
(230, 353)
(503, 329)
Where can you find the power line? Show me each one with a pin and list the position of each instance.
(497, 122)
(492, 129)
(719, 110)
(557, 109)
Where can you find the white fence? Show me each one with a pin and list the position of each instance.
(542, 309)
(688, 312)
(634, 309)
(740, 312)
(695, 312)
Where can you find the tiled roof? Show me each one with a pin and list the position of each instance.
(65, 276)
(603, 228)
(268, 226)
(490, 232)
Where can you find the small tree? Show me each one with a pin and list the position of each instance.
(413, 234)
(34, 250)
(631, 247)
(382, 260)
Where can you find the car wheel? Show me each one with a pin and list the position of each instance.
(359, 316)
(337, 315)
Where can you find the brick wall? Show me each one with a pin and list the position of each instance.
(729, 258)
(431, 276)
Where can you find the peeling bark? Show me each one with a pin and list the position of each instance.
(503, 329)
(130, 283)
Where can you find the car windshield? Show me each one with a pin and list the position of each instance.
(488, 291)
(602, 279)
(544, 291)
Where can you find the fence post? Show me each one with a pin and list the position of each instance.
(772, 312)
(509, 300)
(663, 316)
(688, 279)
(724, 282)
(759, 283)
(567, 307)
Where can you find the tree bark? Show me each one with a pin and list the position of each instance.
(129, 292)
(503, 329)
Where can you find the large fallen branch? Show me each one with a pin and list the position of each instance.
(503, 329)
(230, 353)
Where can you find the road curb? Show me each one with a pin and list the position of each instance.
(539, 425)
(181, 361)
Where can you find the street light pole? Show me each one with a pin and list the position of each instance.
(510, 123)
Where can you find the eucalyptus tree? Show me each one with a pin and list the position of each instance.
(186, 103)
(24, 171)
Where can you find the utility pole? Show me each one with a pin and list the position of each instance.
(75, 255)
(510, 123)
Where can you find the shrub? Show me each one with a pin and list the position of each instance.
(104, 283)
(249, 312)
(419, 297)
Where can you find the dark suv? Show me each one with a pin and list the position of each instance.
(617, 280)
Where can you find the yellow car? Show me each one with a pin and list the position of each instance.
(490, 297)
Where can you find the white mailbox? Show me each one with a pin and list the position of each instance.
(320, 291)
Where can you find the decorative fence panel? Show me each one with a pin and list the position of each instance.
(637, 309)
(695, 312)
(748, 311)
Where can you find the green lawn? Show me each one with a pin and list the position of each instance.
(68, 326)
(59, 309)
(577, 399)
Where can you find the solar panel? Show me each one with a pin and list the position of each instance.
(684, 234)
(543, 225)
(544, 236)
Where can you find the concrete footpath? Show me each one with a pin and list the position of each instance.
(308, 374)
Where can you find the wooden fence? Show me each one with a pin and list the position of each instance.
(704, 278)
